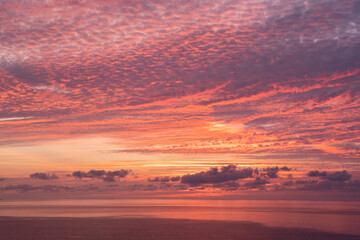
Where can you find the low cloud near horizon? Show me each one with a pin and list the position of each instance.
(107, 176)
(44, 176)
(229, 178)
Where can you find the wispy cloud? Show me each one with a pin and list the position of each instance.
(14, 119)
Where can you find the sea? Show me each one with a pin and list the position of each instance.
(327, 216)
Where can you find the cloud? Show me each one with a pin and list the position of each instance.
(288, 183)
(27, 188)
(53, 89)
(285, 168)
(164, 179)
(89, 174)
(52, 188)
(14, 119)
(175, 179)
(272, 172)
(317, 173)
(228, 186)
(337, 181)
(44, 176)
(224, 177)
(184, 66)
(350, 186)
(257, 183)
(227, 173)
(341, 176)
(142, 187)
(159, 179)
(335, 176)
(107, 176)
(2, 179)
(299, 182)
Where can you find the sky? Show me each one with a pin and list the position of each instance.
(156, 98)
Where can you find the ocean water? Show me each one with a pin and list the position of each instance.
(328, 216)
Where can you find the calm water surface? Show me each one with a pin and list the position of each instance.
(329, 216)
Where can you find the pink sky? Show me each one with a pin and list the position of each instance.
(170, 88)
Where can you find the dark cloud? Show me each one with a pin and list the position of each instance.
(165, 179)
(227, 173)
(225, 177)
(317, 173)
(89, 187)
(335, 176)
(165, 186)
(180, 187)
(257, 183)
(44, 176)
(306, 181)
(337, 181)
(228, 186)
(159, 179)
(27, 188)
(285, 168)
(109, 179)
(2, 179)
(272, 172)
(89, 174)
(142, 187)
(299, 182)
(288, 183)
(107, 176)
(111, 175)
(350, 186)
(175, 179)
(52, 188)
(341, 176)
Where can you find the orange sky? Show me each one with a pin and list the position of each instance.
(175, 88)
